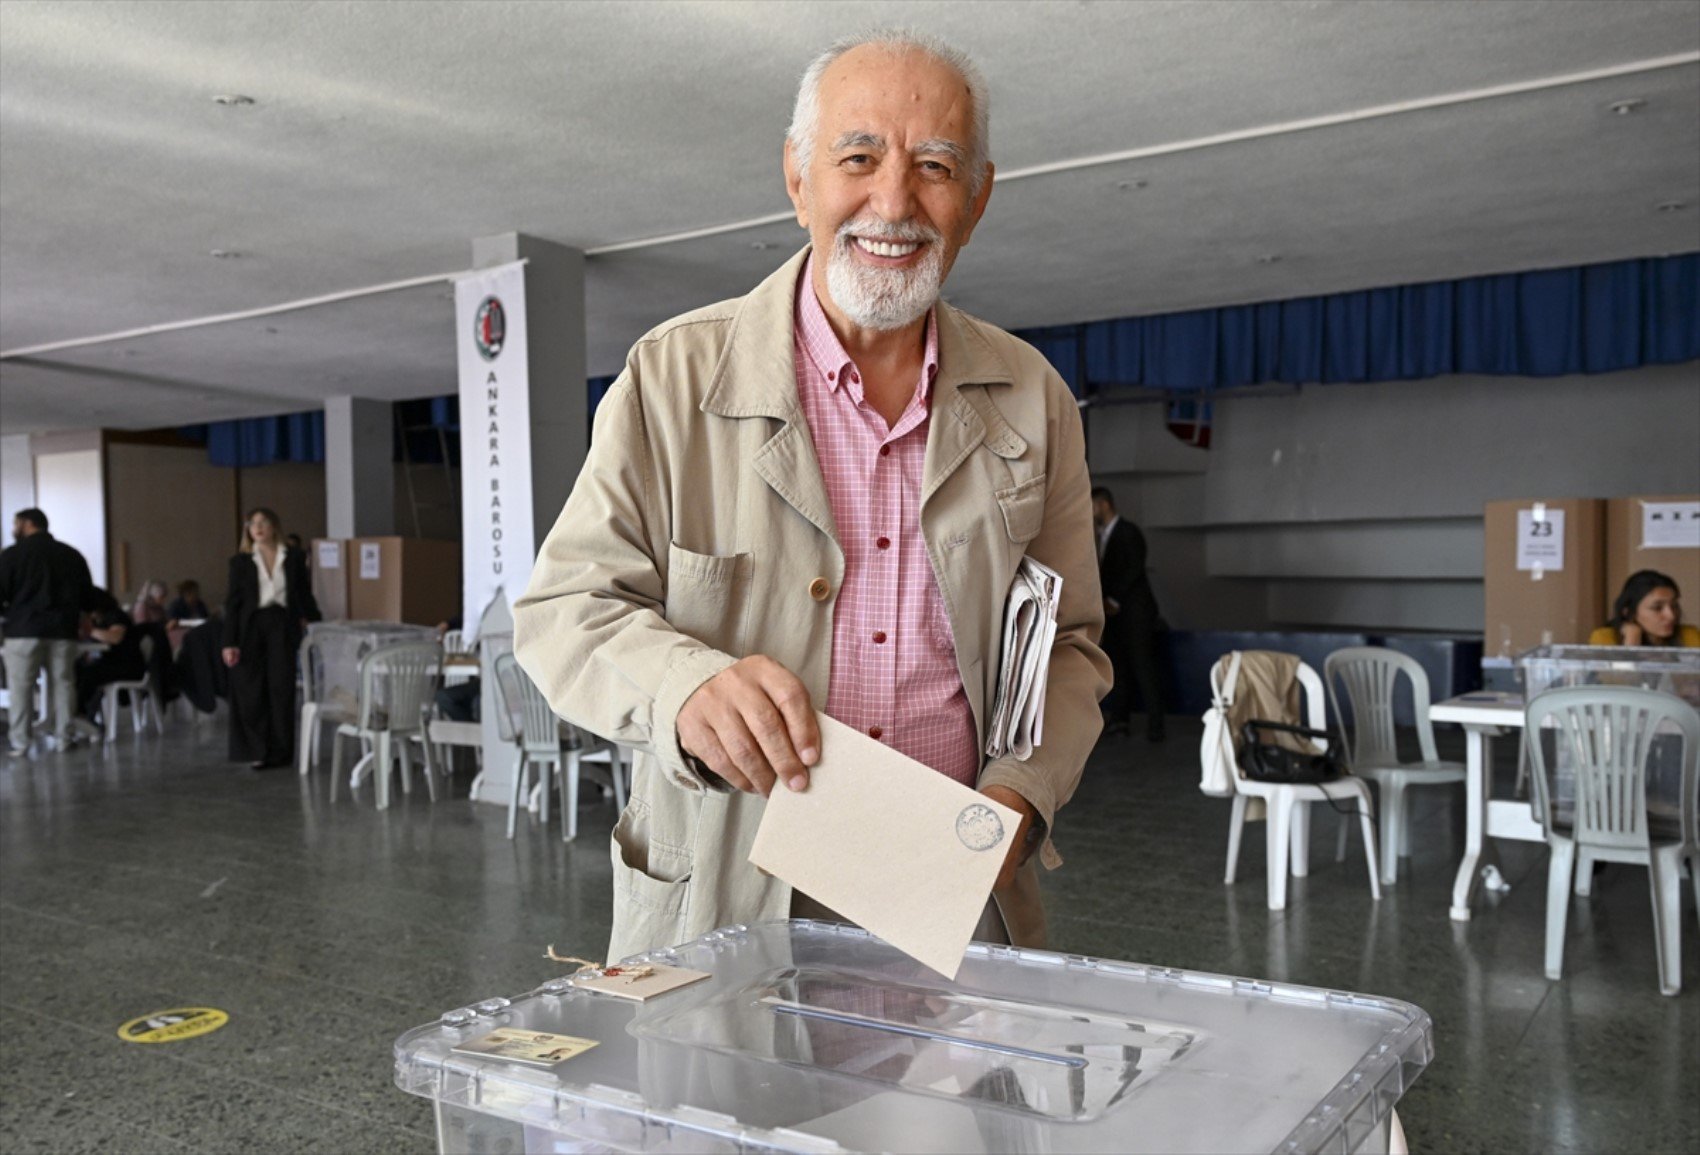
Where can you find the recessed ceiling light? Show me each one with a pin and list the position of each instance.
(1672, 206)
(1268, 258)
(224, 254)
(232, 99)
(1131, 185)
(1627, 107)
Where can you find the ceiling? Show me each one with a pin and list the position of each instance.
(384, 137)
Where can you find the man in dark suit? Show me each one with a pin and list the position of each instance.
(1131, 621)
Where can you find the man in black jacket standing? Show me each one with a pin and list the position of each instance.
(1130, 618)
(44, 588)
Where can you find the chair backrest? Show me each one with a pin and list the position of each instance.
(1608, 733)
(1310, 687)
(454, 642)
(531, 722)
(1370, 675)
(396, 684)
(1221, 737)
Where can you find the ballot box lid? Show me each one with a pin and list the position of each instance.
(815, 1037)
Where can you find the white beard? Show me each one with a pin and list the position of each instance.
(879, 298)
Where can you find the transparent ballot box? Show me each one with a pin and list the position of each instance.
(816, 1037)
(338, 647)
(1669, 670)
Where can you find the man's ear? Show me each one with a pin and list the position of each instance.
(794, 185)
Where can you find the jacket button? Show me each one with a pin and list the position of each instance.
(820, 589)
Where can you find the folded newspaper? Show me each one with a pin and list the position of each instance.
(1029, 629)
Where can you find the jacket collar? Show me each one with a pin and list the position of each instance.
(756, 376)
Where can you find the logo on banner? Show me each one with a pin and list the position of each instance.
(489, 328)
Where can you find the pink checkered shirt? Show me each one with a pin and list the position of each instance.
(894, 673)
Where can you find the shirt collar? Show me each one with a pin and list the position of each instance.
(822, 346)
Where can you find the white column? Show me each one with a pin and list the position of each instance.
(359, 470)
(557, 440)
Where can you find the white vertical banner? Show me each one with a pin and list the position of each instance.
(497, 545)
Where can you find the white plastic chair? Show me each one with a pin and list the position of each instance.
(528, 720)
(1288, 805)
(1608, 732)
(144, 700)
(407, 676)
(314, 713)
(1370, 675)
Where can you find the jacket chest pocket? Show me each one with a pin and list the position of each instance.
(706, 596)
(1023, 509)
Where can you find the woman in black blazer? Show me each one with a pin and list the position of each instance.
(266, 611)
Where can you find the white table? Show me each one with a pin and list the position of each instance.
(1484, 716)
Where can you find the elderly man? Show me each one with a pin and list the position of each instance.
(817, 496)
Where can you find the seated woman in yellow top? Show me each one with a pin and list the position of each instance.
(1647, 613)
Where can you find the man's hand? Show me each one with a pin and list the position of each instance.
(232, 655)
(752, 724)
(1018, 847)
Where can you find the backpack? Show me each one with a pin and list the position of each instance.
(1217, 765)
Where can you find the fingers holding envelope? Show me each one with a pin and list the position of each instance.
(753, 725)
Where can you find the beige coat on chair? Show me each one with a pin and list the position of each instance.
(700, 532)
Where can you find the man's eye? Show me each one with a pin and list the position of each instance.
(936, 169)
(857, 160)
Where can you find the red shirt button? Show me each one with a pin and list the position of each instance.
(875, 731)
(832, 374)
(879, 637)
(883, 542)
(885, 451)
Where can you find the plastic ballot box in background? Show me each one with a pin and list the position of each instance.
(815, 1037)
(1667, 669)
(339, 647)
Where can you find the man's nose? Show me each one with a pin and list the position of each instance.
(893, 195)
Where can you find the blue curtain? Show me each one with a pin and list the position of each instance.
(1550, 323)
(1592, 319)
(262, 440)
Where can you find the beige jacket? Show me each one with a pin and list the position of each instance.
(695, 533)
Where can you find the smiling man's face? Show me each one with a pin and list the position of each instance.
(886, 196)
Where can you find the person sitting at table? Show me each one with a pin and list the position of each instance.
(149, 605)
(187, 606)
(122, 659)
(1648, 612)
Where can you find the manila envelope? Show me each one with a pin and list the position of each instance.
(892, 845)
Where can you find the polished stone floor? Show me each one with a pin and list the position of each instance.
(151, 875)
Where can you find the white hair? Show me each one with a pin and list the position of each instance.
(805, 115)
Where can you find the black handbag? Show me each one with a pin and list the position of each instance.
(1265, 761)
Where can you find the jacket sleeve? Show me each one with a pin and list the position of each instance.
(1116, 571)
(235, 599)
(85, 580)
(591, 629)
(1079, 673)
(309, 605)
